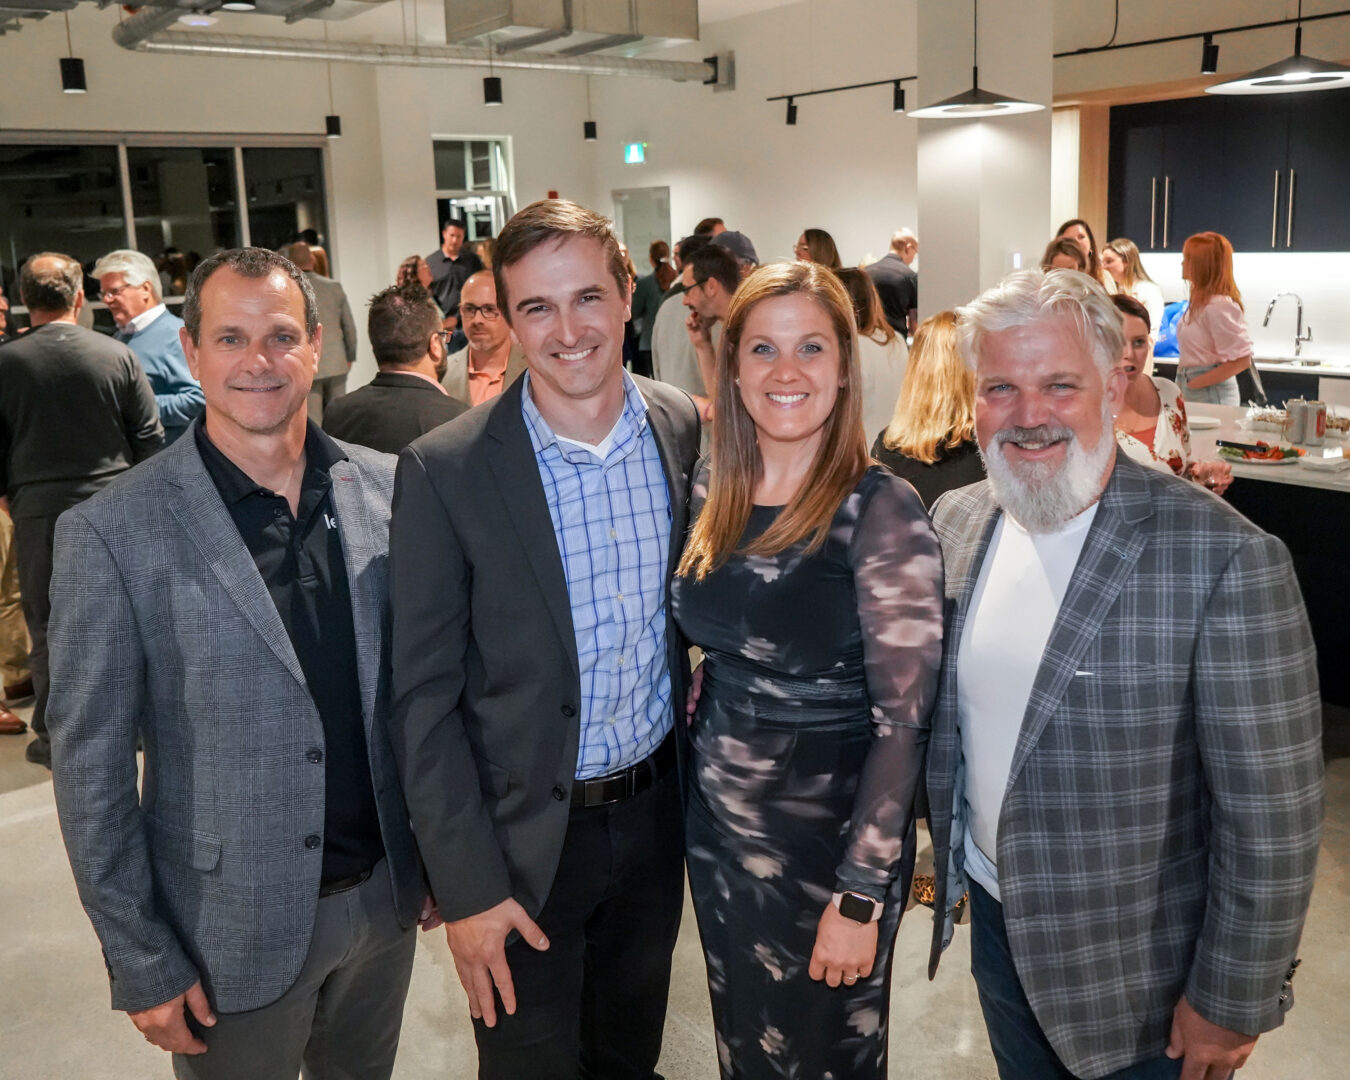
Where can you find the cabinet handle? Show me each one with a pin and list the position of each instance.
(1289, 217)
(1153, 214)
(1275, 209)
(1167, 206)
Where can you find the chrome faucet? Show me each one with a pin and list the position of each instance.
(1300, 334)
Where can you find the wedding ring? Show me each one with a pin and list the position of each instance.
(850, 978)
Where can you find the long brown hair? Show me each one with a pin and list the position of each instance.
(1094, 260)
(1211, 257)
(936, 407)
(821, 246)
(867, 310)
(736, 465)
(659, 254)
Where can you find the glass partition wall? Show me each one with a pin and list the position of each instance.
(176, 202)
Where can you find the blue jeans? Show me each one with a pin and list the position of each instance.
(1020, 1047)
(1221, 393)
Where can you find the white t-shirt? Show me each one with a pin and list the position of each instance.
(1016, 600)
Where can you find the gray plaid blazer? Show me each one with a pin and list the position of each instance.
(162, 627)
(1160, 826)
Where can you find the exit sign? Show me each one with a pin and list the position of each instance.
(635, 153)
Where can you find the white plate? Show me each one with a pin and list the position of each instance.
(1325, 464)
(1262, 461)
(1203, 423)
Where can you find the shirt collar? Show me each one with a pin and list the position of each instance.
(235, 485)
(145, 318)
(627, 430)
(419, 375)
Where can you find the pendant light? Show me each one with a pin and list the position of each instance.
(492, 84)
(974, 103)
(1296, 74)
(588, 128)
(72, 67)
(332, 123)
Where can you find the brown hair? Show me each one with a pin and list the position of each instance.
(407, 271)
(1062, 245)
(1128, 253)
(736, 465)
(1094, 262)
(867, 310)
(1128, 305)
(936, 407)
(400, 324)
(822, 248)
(49, 282)
(555, 220)
(1211, 258)
(659, 254)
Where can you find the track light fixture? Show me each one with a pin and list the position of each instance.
(72, 67)
(492, 90)
(792, 113)
(588, 130)
(1292, 75)
(1209, 56)
(333, 126)
(898, 98)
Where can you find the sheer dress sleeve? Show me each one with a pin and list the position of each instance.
(897, 574)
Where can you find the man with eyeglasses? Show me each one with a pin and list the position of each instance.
(129, 285)
(490, 362)
(405, 399)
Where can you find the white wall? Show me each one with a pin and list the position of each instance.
(848, 165)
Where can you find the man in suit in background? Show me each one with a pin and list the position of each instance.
(405, 399)
(491, 361)
(1125, 764)
(226, 606)
(897, 283)
(75, 411)
(129, 285)
(339, 339)
(538, 675)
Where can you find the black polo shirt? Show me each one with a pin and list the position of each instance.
(301, 563)
(449, 275)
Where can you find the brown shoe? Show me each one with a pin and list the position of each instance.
(19, 693)
(11, 724)
(925, 889)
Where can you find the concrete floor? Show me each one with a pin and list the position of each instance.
(56, 1024)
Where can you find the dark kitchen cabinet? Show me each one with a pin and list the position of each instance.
(1270, 173)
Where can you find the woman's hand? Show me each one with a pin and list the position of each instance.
(1215, 475)
(695, 692)
(844, 951)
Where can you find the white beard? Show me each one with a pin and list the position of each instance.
(1041, 496)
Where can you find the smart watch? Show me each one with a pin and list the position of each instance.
(857, 907)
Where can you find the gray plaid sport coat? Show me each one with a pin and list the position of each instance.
(161, 626)
(1159, 830)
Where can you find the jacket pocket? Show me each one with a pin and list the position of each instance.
(187, 847)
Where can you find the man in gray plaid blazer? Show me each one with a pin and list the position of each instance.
(227, 605)
(1125, 762)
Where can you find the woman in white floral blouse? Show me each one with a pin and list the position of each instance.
(1151, 426)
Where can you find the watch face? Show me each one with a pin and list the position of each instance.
(855, 907)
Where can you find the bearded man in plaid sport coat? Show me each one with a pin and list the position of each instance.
(1125, 762)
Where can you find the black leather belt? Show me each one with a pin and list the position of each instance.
(342, 884)
(603, 790)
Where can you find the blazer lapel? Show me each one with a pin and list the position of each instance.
(677, 479)
(361, 550)
(1110, 552)
(962, 568)
(202, 514)
(511, 458)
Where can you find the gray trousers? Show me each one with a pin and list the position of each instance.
(323, 393)
(341, 1019)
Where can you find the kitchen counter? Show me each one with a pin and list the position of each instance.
(1203, 448)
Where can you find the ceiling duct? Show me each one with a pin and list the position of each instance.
(631, 26)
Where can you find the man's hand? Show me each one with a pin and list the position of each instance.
(166, 1025)
(695, 692)
(478, 945)
(430, 916)
(700, 332)
(1215, 475)
(1210, 1052)
(844, 950)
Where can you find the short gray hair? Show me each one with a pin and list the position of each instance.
(136, 269)
(249, 262)
(1025, 296)
(53, 287)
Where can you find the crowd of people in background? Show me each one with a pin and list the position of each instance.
(485, 645)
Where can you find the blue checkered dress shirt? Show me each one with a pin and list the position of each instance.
(611, 518)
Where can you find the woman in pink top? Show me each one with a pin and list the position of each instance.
(1212, 337)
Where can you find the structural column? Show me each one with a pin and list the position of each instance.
(983, 184)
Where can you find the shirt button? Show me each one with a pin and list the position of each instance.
(315, 755)
(312, 841)
(621, 661)
(612, 721)
(569, 710)
(619, 598)
(613, 534)
(559, 792)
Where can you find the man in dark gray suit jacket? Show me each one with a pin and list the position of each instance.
(227, 606)
(1125, 764)
(339, 343)
(539, 680)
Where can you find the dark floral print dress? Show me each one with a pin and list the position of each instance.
(808, 743)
